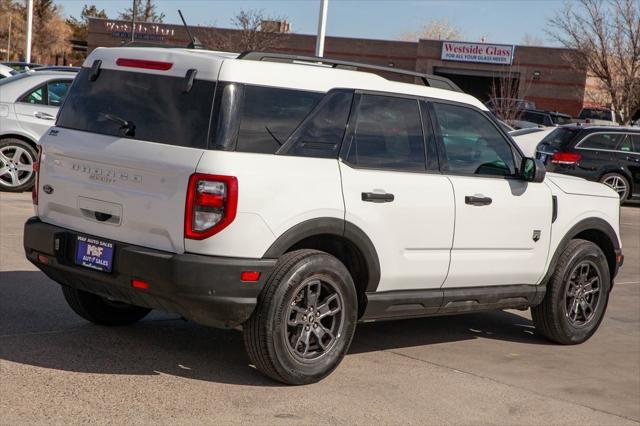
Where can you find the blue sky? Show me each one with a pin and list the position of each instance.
(501, 21)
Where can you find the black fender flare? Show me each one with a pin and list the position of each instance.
(330, 226)
(592, 223)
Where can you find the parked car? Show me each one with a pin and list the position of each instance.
(6, 72)
(29, 103)
(545, 118)
(512, 102)
(21, 66)
(293, 200)
(606, 154)
(528, 139)
(599, 116)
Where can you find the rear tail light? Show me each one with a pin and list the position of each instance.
(566, 158)
(211, 205)
(36, 170)
(142, 63)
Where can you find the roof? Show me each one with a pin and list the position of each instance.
(225, 66)
(587, 126)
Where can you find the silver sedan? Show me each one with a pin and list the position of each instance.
(29, 103)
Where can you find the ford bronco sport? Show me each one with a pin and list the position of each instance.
(294, 197)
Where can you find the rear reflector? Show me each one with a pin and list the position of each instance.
(139, 284)
(43, 259)
(566, 158)
(141, 63)
(250, 276)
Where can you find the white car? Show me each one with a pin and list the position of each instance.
(29, 103)
(293, 197)
(528, 139)
(6, 72)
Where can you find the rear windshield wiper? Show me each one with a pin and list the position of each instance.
(275, 138)
(128, 128)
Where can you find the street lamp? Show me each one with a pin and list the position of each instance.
(322, 28)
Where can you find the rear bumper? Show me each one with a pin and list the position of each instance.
(205, 289)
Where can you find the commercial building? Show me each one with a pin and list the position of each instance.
(544, 75)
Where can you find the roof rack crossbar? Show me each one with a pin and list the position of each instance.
(428, 79)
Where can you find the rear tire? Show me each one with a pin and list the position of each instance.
(101, 311)
(577, 295)
(16, 165)
(618, 183)
(305, 319)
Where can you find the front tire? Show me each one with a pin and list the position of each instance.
(577, 295)
(16, 165)
(305, 319)
(101, 311)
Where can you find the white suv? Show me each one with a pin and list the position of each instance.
(294, 197)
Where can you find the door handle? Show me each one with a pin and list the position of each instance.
(376, 197)
(44, 116)
(477, 200)
(634, 159)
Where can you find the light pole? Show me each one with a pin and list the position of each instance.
(27, 50)
(322, 27)
(133, 21)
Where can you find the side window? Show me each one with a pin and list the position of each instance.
(36, 96)
(269, 115)
(472, 143)
(601, 141)
(387, 134)
(320, 135)
(56, 91)
(635, 143)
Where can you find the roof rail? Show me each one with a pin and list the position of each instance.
(428, 79)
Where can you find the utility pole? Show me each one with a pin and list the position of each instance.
(322, 27)
(133, 21)
(27, 50)
(9, 39)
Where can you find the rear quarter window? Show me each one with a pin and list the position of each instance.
(601, 141)
(559, 137)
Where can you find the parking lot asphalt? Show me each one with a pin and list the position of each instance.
(475, 368)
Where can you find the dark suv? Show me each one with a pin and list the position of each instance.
(610, 155)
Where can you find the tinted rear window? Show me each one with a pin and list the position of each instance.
(559, 137)
(157, 108)
(596, 114)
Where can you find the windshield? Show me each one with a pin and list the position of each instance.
(560, 119)
(133, 105)
(596, 114)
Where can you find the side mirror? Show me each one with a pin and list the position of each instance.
(532, 170)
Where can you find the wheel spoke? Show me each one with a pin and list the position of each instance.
(4, 170)
(591, 287)
(312, 296)
(326, 310)
(4, 158)
(322, 333)
(25, 167)
(18, 154)
(15, 181)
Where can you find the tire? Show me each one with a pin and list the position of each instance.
(554, 317)
(618, 183)
(101, 311)
(16, 165)
(275, 335)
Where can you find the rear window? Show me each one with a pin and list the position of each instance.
(147, 107)
(560, 119)
(559, 137)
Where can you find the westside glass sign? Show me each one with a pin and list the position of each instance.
(477, 52)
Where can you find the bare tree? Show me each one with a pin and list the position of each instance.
(606, 39)
(531, 40)
(146, 12)
(436, 29)
(507, 90)
(252, 30)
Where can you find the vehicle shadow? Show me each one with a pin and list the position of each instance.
(37, 328)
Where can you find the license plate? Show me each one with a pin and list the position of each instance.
(94, 253)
